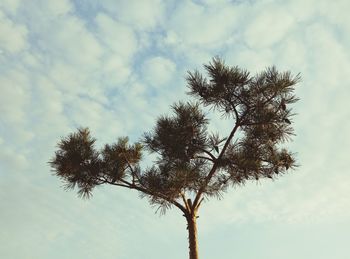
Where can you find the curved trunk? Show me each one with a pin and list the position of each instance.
(192, 236)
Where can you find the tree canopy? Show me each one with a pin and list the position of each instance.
(191, 162)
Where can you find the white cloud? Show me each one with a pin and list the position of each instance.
(13, 37)
(61, 37)
(118, 37)
(114, 70)
(56, 8)
(67, 77)
(158, 70)
(49, 109)
(14, 98)
(253, 60)
(74, 82)
(142, 15)
(304, 202)
(268, 27)
(122, 45)
(329, 65)
(291, 54)
(74, 43)
(12, 161)
(335, 12)
(86, 111)
(171, 38)
(213, 2)
(135, 96)
(192, 24)
(10, 5)
(301, 10)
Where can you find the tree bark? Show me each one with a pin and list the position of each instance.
(192, 236)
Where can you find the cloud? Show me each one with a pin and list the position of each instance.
(14, 36)
(73, 43)
(15, 97)
(10, 6)
(158, 71)
(193, 24)
(251, 59)
(141, 15)
(117, 36)
(115, 66)
(115, 70)
(57, 8)
(305, 202)
(11, 160)
(122, 44)
(330, 65)
(268, 27)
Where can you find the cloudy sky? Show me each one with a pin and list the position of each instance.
(114, 66)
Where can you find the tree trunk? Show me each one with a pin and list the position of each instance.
(192, 236)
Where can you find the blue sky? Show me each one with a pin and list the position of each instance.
(114, 66)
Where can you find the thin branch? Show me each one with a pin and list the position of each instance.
(244, 102)
(208, 153)
(162, 196)
(127, 183)
(117, 184)
(144, 190)
(133, 174)
(185, 202)
(199, 203)
(206, 158)
(235, 110)
(258, 123)
(215, 165)
(269, 99)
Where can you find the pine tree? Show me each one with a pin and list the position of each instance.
(192, 163)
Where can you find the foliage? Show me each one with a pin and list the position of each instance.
(191, 161)
(80, 165)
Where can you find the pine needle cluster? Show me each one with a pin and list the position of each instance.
(191, 161)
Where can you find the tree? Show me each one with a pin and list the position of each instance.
(192, 163)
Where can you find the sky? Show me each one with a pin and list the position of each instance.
(114, 66)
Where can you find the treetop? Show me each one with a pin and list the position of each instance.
(191, 161)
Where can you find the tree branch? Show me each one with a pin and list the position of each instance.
(215, 165)
(141, 189)
(104, 180)
(208, 153)
(206, 158)
(186, 203)
(133, 174)
(234, 110)
(244, 102)
(199, 203)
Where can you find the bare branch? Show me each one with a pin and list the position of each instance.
(199, 203)
(185, 202)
